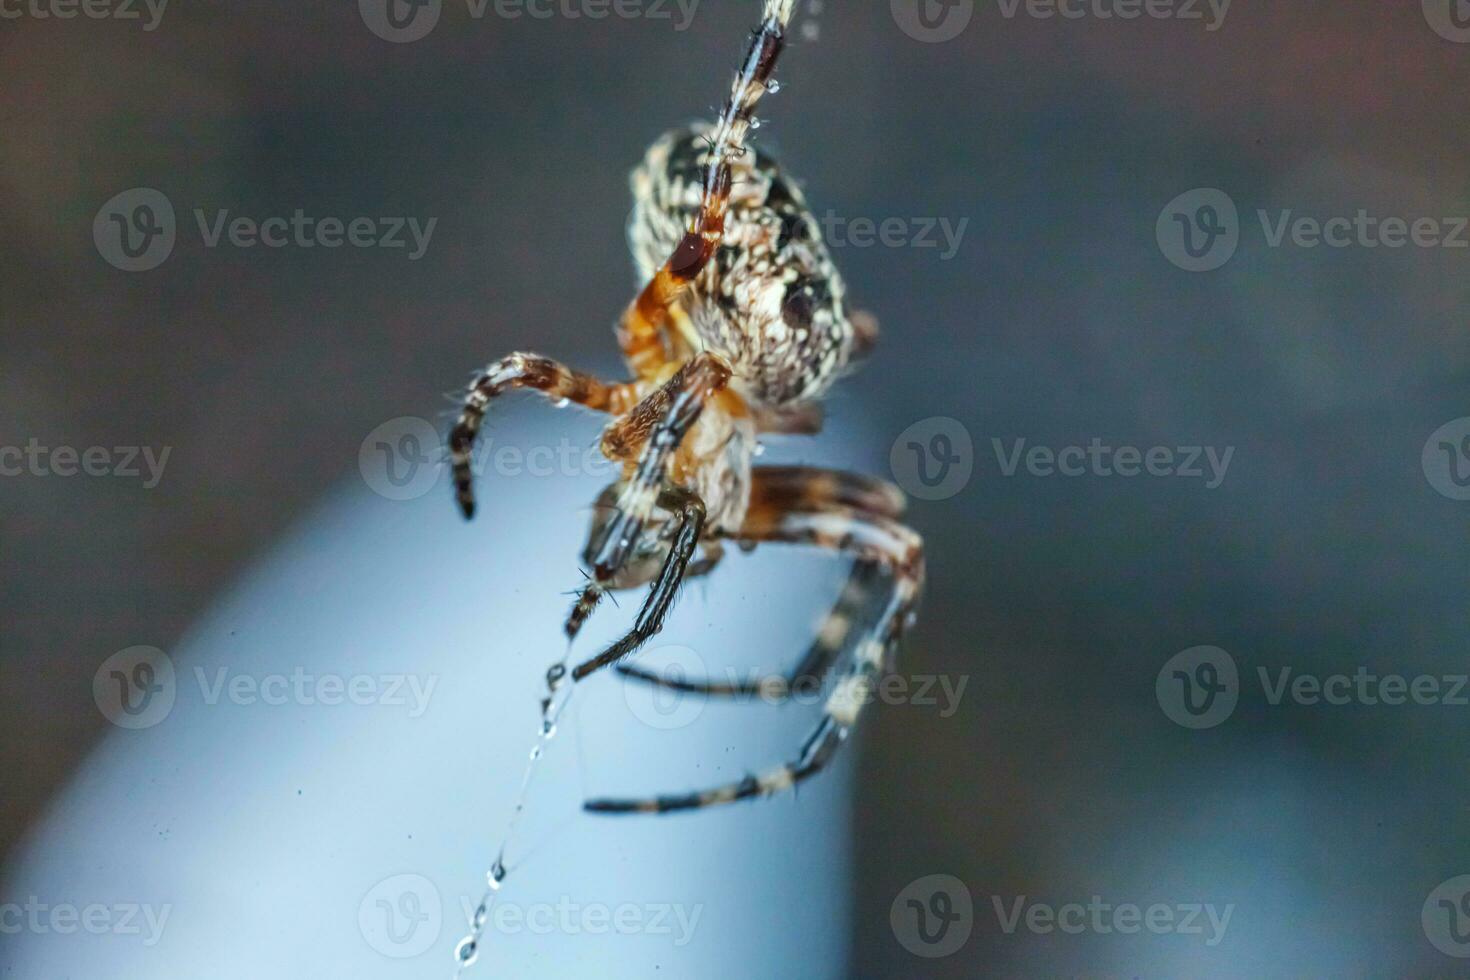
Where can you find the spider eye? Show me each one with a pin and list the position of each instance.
(798, 309)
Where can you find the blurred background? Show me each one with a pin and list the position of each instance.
(1077, 231)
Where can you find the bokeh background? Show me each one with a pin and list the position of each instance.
(1060, 318)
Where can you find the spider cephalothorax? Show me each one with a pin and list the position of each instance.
(741, 325)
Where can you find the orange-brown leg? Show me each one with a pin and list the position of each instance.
(551, 378)
(642, 327)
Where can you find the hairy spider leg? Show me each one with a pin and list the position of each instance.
(658, 424)
(671, 412)
(640, 333)
(879, 539)
(592, 593)
(781, 489)
(520, 370)
(661, 594)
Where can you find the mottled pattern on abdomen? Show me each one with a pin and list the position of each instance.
(771, 300)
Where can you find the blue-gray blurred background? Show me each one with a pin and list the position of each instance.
(1057, 148)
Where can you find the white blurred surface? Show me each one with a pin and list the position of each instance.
(266, 832)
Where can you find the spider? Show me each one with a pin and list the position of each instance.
(740, 327)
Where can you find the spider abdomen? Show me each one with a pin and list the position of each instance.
(771, 301)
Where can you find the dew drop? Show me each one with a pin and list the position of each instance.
(548, 729)
(760, 449)
(481, 914)
(495, 875)
(561, 402)
(755, 123)
(467, 951)
(773, 86)
(536, 752)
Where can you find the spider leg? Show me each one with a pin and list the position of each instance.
(659, 423)
(665, 587)
(641, 331)
(589, 597)
(875, 538)
(780, 489)
(815, 665)
(521, 370)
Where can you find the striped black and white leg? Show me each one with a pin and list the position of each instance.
(665, 587)
(531, 371)
(778, 490)
(900, 550)
(809, 674)
(658, 424)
